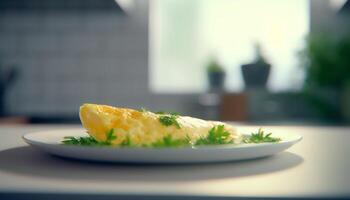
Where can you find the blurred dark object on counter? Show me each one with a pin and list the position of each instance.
(261, 106)
(327, 86)
(256, 74)
(8, 76)
(13, 120)
(234, 107)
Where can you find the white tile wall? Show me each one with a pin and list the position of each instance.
(67, 58)
(8, 43)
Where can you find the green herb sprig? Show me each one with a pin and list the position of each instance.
(260, 137)
(169, 141)
(167, 113)
(216, 135)
(127, 142)
(90, 141)
(143, 109)
(110, 137)
(168, 120)
(83, 141)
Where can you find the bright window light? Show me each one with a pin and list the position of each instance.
(184, 34)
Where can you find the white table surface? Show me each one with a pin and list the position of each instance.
(318, 166)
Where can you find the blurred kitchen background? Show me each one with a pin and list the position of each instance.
(252, 61)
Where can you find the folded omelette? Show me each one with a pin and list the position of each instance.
(143, 127)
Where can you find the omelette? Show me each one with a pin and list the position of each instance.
(143, 128)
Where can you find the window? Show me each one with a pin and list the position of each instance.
(184, 34)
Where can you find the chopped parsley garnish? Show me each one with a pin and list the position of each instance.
(110, 137)
(168, 120)
(168, 141)
(127, 142)
(260, 137)
(90, 141)
(167, 113)
(84, 141)
(216, 135)
(143, 110)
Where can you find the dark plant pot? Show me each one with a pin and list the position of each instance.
(255, 75)
(216, 80)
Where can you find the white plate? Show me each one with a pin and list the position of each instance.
(49, 141)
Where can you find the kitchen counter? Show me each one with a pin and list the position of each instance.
(318, 166)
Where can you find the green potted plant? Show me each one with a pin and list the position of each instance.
(216, 75)
(326, 62)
